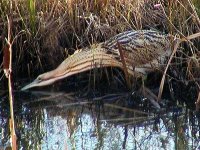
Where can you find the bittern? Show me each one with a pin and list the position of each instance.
(141, 49)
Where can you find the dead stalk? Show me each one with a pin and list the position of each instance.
(124, 65)
(9, 76)
(176, 44)
(198, 103)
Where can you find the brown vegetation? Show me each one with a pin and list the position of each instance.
(49, 30)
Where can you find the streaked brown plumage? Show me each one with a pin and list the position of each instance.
(141, 49)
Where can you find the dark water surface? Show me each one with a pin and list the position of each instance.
(55, 120)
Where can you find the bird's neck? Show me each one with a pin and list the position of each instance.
(95, 57)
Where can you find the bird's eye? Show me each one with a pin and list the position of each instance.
(39, 79)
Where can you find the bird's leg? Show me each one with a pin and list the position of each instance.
(152, 97)
(143, 87)
(146, 92)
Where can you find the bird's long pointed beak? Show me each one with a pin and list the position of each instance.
(32, 84)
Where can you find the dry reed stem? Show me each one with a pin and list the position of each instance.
(126, 109)
(128, 119)
(194, 12)
(9, 75)
(198, 103)
(124, 65)
(176, 44)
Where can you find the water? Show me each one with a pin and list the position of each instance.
(50, 119)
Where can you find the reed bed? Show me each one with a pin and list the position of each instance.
(42, 32)
(49, 30)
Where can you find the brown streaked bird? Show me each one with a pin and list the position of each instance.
(142, 50)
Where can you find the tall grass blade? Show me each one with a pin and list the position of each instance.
(32, 13)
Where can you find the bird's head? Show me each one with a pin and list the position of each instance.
(41, 80)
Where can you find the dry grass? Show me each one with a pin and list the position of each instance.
(49, 30)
